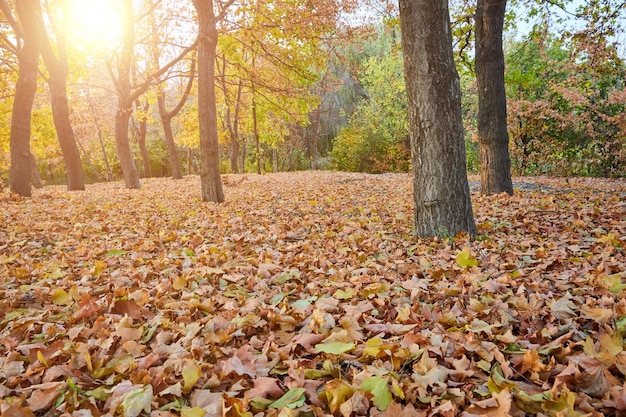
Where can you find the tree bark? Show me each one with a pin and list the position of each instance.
(141, 131)
(493, 136)
(166, 117)
(34, 172)
(28, 59)
(124, 100)
(169, 140)
(257, 138)
(440, 187)
(210, 179)
(57, 81)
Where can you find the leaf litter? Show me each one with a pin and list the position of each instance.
(306, 294)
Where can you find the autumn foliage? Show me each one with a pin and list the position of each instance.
(307, 295)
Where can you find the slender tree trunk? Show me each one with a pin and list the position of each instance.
(275, 160)
(244, 154)
(493, 136)
(124, 101)
(169, 142)
(441, 190)
(210, 179)
(58, 70)
(257, 139)
(65, 133)
(166, 117)
(34, 172)
(109, 173)
(28, 58)
(141, 132)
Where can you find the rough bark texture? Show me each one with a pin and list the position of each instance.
(441, 189)
(58, 69)
(124, 100)
(493, 137)
(210, 179)
(28, 58)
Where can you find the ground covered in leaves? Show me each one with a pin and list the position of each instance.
(307, 295)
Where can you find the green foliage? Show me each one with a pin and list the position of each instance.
(376, 138)
(565, 101)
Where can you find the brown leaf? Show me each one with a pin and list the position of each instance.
(14, 411)
(43, 396)
(131, 309)
(498, 405)
(211, 402)
(265, 387)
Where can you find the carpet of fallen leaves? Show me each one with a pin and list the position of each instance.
(306, 294)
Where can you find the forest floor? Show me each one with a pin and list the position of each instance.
(306, 294)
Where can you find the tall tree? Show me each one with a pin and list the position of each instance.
(125, 101)
(493, 137)
(165, 115)
(57, 66)
(128, 93)
(440, 187)
(30, 31)
(210, 179)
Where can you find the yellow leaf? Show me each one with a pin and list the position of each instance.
(403, 314)
(99, 267)
(344, 294)
(42, 359)
(191, 373)
(192, 412)
(61, 298)
(179, 283)
(465, 258)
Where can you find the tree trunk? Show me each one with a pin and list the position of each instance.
(58, 70)
(109, 173)
(441, 190)
(169, 142)
(210, 179)
(65, 133)
(244, 154)
(34, 172)
(28, 58)
(257, 138)
(124, 101)
(166, 117)
(141, 132)
(493, 137)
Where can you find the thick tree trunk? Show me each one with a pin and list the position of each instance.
(493, 137)
(124, 101)
(210, 179)
(58, 70)
(28, 58)
(441, 190)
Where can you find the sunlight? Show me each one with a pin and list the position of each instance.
(95, 24)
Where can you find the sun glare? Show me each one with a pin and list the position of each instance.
(95, 24)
